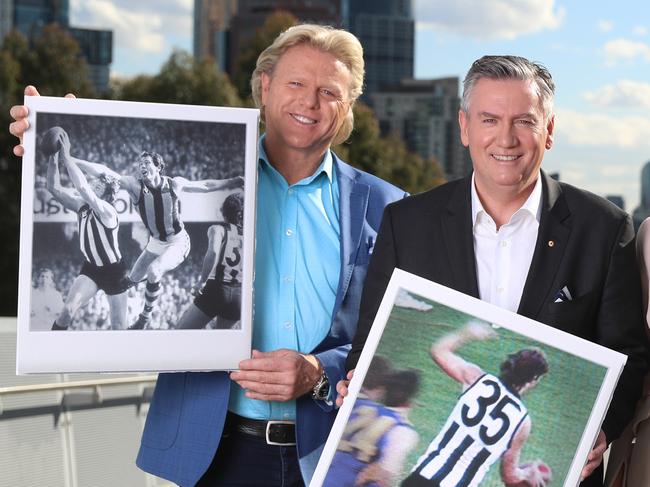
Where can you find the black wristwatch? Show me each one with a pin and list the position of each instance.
(321, 389)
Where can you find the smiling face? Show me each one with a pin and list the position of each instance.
(507, 133)
(304, 99)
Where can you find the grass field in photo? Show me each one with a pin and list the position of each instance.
(559, 406)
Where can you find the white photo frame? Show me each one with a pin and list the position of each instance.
(414, 314)
(197, 143)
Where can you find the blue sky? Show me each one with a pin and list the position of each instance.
(598, 53)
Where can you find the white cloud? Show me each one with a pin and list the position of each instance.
(573, 172)
(639, 30)
(625, 93)
(626, 50)
(135, 25)
(617, 170)
(489, 19)
(594, 129)
(604, 25)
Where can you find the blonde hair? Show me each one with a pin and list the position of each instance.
(341, 44)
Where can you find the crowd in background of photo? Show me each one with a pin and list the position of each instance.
(193, 150)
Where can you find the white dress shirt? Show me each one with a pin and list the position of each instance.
(503, 256)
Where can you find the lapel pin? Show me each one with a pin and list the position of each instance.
(551, 243)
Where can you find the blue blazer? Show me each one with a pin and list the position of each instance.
(188, 410)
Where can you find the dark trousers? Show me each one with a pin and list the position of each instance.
(247, 461)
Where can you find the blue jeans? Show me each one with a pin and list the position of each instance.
(247, 461)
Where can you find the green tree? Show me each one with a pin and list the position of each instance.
(245, 63)
(387, 158)
(53, 63)
(181, 80)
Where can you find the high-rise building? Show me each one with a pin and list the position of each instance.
(386, 29)
(6, 16)
(211, 25)
(425, 114)
(223, 28)
(97, 48)
(30, 16)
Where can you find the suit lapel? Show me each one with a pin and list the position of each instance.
(459, 241)
(552, 239)
(353, 202)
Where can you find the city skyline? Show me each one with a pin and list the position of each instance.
(599, 55)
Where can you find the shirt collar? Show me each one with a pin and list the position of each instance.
(326, 166)
(532, 205)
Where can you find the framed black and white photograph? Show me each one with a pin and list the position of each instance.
(451, 390)
(137, 236)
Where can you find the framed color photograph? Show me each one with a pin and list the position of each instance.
(451, 390)
(137, 236)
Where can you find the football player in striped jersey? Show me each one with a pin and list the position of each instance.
(220, 292)
(489, 422)
(157, 198)
(98, 220)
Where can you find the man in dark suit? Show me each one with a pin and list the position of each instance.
(513, 236)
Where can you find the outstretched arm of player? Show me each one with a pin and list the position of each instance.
(103, 208)
(215, 239)
(206, 185)
(515, 475)
(95, 169)
(444, 354)
(65, 196)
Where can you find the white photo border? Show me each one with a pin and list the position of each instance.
(134, 350)
(611, 360)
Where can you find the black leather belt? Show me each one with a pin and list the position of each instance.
(281, 433)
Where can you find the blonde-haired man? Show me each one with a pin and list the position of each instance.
(317, 219)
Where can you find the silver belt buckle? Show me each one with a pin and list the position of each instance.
(268, 429)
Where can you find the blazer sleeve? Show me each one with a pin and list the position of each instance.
(380, 269)
(620, 327)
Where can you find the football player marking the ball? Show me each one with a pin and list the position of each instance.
(489, 422)
(157, 199)
(220, 292)
(103, 267)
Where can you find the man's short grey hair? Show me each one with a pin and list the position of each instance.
(510, 67)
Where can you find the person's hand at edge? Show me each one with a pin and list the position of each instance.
(20, 124)
(595, 456)
(342, 388)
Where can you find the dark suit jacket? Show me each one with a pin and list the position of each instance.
(188, 410)
(592, 253)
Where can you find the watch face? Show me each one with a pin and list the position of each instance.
(322, 388)
(323, 391)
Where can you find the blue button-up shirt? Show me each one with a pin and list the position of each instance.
(297, 267)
